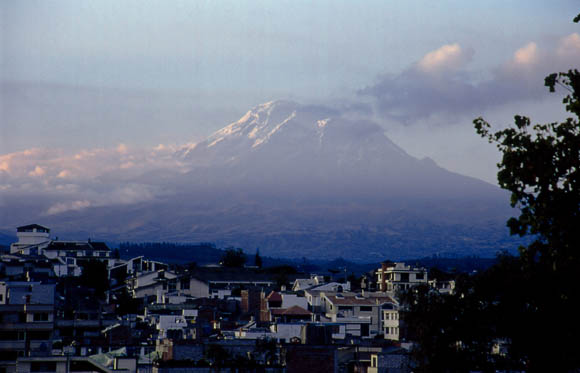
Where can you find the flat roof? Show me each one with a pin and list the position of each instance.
(28, 228)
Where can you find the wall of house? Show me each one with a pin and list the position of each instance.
(198, 289)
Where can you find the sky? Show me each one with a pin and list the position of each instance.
(124, 79)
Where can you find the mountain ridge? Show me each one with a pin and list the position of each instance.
(300, 180)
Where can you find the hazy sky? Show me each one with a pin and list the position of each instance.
(79, 75)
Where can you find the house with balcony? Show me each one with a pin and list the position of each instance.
(67, 256)
(399, 276)
(362, 315)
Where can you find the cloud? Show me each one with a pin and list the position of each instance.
(38, 171)
(526, 55)
(122, 149)
(70, 206)
(569, 47)
(64, 174)
(447, 58)
(88, 178)
(440, 83)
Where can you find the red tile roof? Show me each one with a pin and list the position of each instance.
(274, 297)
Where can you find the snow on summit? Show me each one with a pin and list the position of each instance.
(292, 131)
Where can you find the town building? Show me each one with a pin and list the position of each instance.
(26, 321)
(398, 276)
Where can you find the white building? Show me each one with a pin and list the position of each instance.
(398, 276)
(362, 315)
(34, 240)
(31, 238)
(391, 321)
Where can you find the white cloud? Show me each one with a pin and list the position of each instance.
(126, 165)
(446, 58)
(526, 55)
(69, 206)
(87, 178)
(38, 171)
(64, 174)
(4, 165)
(439, 82)
(122, 148)
(569, 46)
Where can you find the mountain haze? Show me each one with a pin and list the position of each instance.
(298, 180)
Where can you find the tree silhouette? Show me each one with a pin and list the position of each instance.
(233, 258)
(528, 303)
(258, 259)
(540, 166)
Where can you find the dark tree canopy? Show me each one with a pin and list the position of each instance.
(529, 304)
(541, 169)
(233, 258)
(258, 259)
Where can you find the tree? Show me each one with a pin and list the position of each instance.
(529, 303)
(233, 258)
(541, 169)
(258, 259)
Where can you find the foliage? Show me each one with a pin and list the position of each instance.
(233, 258)
(258, 259)
(506, 304)
(541, 169)
(527, 303)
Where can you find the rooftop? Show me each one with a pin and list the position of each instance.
(31, 227)
(292, 311)
(77, 245)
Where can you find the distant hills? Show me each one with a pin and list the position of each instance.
(303, 181)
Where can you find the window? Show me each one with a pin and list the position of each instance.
(184, 284)
(404, 277)
(41, 316)
(11, 335)
(364, 330)
(420, 276)
(366, 308)
(8, 355)
(38, 335)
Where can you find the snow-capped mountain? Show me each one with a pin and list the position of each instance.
(283, 143)
(301, 181)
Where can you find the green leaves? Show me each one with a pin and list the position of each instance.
(541, 168)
